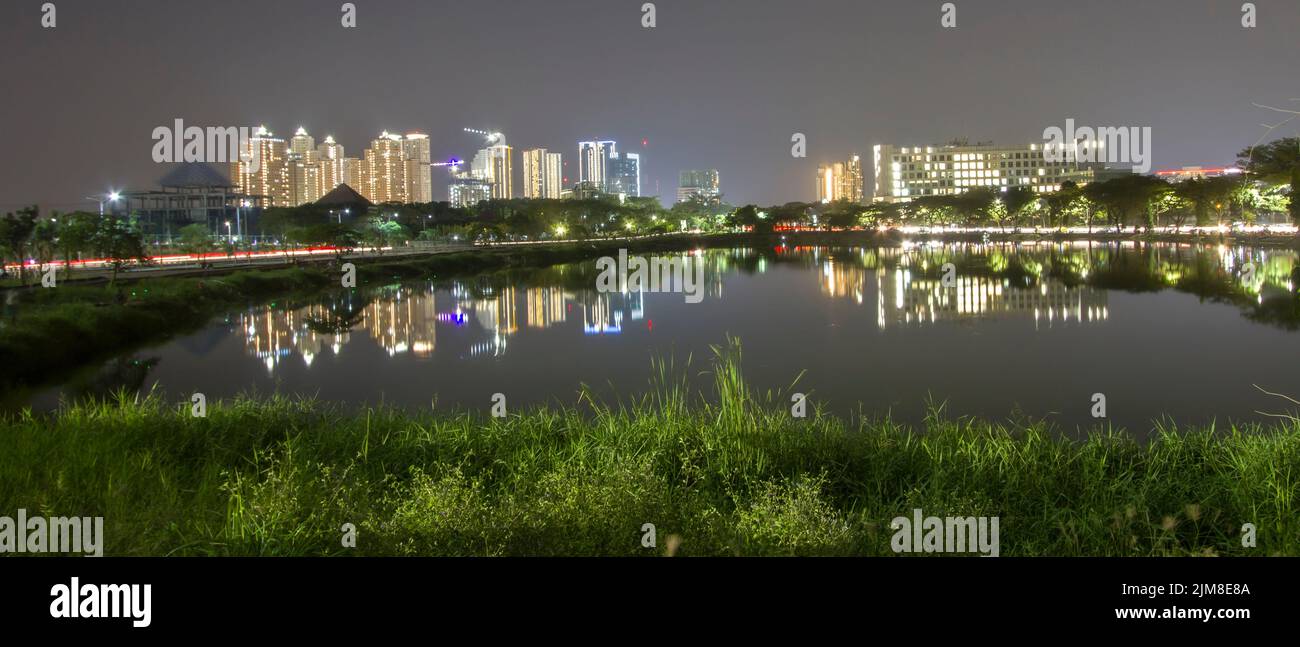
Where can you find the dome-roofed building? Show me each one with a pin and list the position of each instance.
(195, 175)
(192, 192)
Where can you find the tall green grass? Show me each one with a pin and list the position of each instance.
(730, 474)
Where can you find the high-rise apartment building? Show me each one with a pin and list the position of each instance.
(553, 184)
(343, 170)
(543, 174)
(330, 167)
(701, 184)
(467, 189)
(624, 175)
(593, 162)
(494, 165)
(304, 169)
(907, 172)
(384, 170)
(302, 143)
(263, 169)
(304, 178)
(329, 172)
(840, 181)
(533, 169)
(330, 150)
(419, 178)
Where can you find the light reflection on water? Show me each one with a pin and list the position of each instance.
(989, 328)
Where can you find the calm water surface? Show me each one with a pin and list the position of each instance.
(1020, 330)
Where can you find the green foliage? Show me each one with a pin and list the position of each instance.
(1128, 199)
(841, 214)
(196, 239)
(118, 244)
(1019, 200)
(44, 240)
(1277, 163)
(746, 216)
(381, 232)
(731, 474)
(15, 237)
(76, 234)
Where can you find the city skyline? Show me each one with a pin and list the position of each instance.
(399, 168)
(737, 117)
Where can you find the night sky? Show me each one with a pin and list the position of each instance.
(717, 84)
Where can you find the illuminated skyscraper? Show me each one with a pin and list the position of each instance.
(840, 181)
(624, 175)
(329, 172)
(494, 165)
(533, 169)
(542, 174)
(353, 171)
(553, 182)
(302, 143)
(593, 162)
(329, 149)
(330, 165)
(304, 169)
(384, 170)
(419, 180)
(699, 184)
(263, 169)
(467, 189)
(304, 178)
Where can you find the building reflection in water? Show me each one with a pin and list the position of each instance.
(404, 319)
(494, 312)
(491, 310)
(271, 335)
(843, 280)
(546, 307)
(399, 320)
(903, 300)
(903, 297)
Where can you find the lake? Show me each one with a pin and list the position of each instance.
(1003, 331)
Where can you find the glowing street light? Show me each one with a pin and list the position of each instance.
(112, 196)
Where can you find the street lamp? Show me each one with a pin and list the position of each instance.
(239, 223)
(228, 236)
(112, 197)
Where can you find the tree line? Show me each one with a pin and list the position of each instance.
(1267, 184)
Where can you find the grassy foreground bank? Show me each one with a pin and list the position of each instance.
(736, 475)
